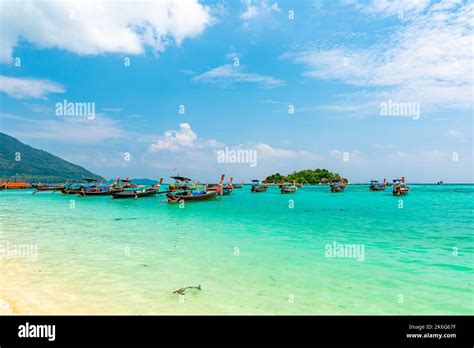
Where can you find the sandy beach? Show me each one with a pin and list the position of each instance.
(5, 307)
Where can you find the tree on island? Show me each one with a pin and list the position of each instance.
(308, 176)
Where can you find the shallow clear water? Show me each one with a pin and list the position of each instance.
(252, 253)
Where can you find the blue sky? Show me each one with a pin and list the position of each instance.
(334, 62)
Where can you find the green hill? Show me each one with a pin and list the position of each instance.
(35, 165)
(307, 176)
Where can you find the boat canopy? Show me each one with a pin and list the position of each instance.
(180, 178)
(89, 179)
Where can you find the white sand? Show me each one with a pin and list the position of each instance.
(5, 307)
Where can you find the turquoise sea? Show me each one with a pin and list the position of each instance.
(252, 253)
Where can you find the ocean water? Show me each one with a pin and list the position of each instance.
(252, 253)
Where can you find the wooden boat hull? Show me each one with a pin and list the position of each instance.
(93, 193)
(134, 194)
(400, 192)
(177, 198)
(53, 188)
(337, 189)
(70, 191)
(225, 192)
(283, 190)
(259, 189)
(378, 188)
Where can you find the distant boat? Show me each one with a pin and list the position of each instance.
(337, 185)
(440, 182)
(238, 186)
(190, 196)
(45, 187)
(219, 188)
(227, 189)
(137, 192)
(376, 186)
(289, 188)
(190, 193)
(400, 188)
(181, 182)
(71, 188)
(93, 188)
(258, 187)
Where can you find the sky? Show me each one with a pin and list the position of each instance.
(369, 89)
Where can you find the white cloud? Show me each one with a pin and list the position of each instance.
(428, 60)
(228, 74)
(112, 109)
(187, 72)
(353, 156)
(390, 7)
(455, 133)
(97, 27)
(175, 140)
(21, 88)
(63, 129)
(184, 139)
(269, 152)
(198, 154)
(427, 155)
(257, 8)
(346, 108)
(232, 55)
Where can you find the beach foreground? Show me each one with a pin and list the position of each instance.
(264, 253)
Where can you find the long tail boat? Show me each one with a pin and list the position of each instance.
(400, 188)
(218, 187)
(180, 183)
(227, 190)
(190, 193)
(238, 186)
(190, 196)
(122, 184)
(138, 192)
(73, 187)
(93, 188)
(222, 190)
(376, 186)
(337, 185)
(96, 191)
(45, 187)
(289, 188)
(258, 187)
